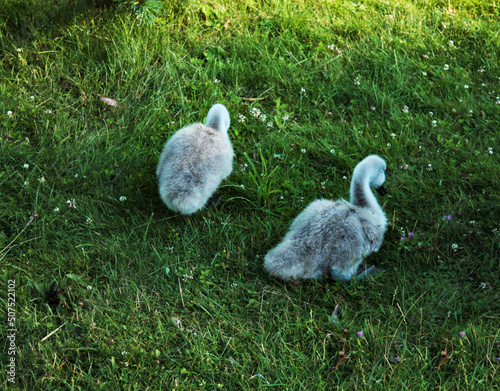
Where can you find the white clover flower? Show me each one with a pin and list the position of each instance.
(454, 246)
(454, 110)
(356, 81)
(234, 285)
(483, 84)
(481, 70)
(332, 47)
(216, 81)
(19, 50)
(391, 16)
(41, 180)
(285, 118)
(26, 165)
(405, 109)
(429, 167)
(89, 220)
(434, 123)
(241, 118)
(48, 111)
(302, 90)
(373, 108)
(451, 43)
(431, 113)
(122, 198)
(32, 97)
(71, 203)
(483, 285)
(56, 209)
(26, 183)
(242, 186)
(270, 124)
(424, 73)
(446, 67)
(466, 86)
(9, 113)
(263, 117)
(490, 150)
(255, 112)
(277, 155)
(344, 177)
(332, 150)
(393, 135)
(303, 151)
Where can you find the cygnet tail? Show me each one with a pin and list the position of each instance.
(184, 201)
(282, 262)
(218, 118)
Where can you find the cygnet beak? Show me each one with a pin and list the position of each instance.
(382, 191)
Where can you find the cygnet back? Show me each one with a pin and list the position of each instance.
(194, 161)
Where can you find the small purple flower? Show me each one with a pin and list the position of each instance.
(402, 238)
(462, 334)
(398, 359)
(360, 334)
(410, 235)
(447, 217)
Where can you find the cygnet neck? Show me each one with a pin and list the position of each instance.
(361, 193)
(218, 118)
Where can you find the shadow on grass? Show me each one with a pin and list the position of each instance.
(21, 19)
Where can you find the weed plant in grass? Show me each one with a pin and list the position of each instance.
(150, 299)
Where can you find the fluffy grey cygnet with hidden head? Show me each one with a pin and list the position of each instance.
(194, 161)
(334, 237)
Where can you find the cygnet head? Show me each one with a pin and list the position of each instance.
(371, 169)
(218, 118)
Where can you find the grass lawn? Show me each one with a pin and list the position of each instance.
(151, 300)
